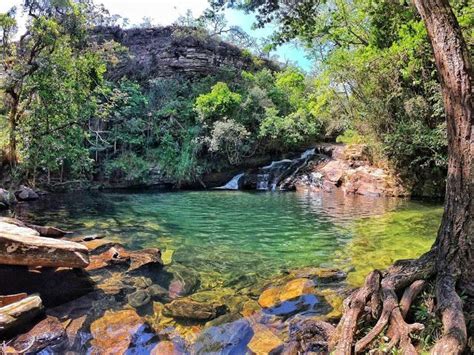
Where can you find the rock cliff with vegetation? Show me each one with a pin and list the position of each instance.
(173, 51)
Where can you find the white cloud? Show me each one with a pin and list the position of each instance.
(162, 12)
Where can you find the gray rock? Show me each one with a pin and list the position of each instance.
(139, 298)
(7, 199)
(25, 193)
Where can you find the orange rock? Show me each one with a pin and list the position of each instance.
(113, 333)
(249, 308)
(293, 289)
(296, 288)
(165, 348)
(269, 297)
(263, 341)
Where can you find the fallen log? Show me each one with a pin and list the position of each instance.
(30, 250)
(19, 313)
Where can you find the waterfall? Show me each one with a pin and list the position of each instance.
(233, 184)
(271, 176)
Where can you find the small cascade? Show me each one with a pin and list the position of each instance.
(233, 184)
(271, 176)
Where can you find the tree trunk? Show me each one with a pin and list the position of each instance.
(454, 244)
(12, 121)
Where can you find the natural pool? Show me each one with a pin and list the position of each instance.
(237, 240)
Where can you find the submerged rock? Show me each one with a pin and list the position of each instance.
(188, 309)
(275, 295)
(116, 332)
(48, 333)
(139, 298)
(184, 281)
(264, 341)
(320, 275)
(227, 339)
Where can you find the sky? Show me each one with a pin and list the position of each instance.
(165, 12)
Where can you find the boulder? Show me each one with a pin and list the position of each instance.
(7, 199)
(48, 333)
(188, 309)
(333, 171)
(21, 246)
(25, 193)
(116, 332)
(106, 253)
(19, 313)
(167, 348)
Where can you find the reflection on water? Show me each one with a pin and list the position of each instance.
(238, 239)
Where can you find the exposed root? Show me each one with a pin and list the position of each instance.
(403, 275)
(354, 306)
(454, 336)
(399, 331)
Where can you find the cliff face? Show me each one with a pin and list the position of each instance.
(167, 52)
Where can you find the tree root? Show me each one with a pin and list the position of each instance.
(380, 292)
(454, 336)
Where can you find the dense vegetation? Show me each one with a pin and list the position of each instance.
(374, 83)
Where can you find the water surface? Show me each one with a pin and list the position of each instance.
(241, 239)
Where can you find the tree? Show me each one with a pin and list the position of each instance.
(451, 257)
(49, 22)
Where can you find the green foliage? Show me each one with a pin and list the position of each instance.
(128, 168)
(350, 137)
(219, 103)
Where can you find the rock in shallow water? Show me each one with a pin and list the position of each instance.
(228, 339)
(188, 309)
(264, 341)
(295, 288)
(139, 298)
(48, 333)
(116, 332)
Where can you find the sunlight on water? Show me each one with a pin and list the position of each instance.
(239, 239)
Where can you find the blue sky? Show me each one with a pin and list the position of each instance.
(165, 12)
(287, 52)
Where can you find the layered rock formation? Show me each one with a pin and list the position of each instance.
(170, 52)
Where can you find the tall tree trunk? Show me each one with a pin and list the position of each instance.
(13, 123)
(454, 244)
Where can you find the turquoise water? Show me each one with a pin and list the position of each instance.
(240, 239)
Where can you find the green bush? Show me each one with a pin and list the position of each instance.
(128, 167)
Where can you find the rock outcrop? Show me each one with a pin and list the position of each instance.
(348, 168)
(170, 52)
(325, 167)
